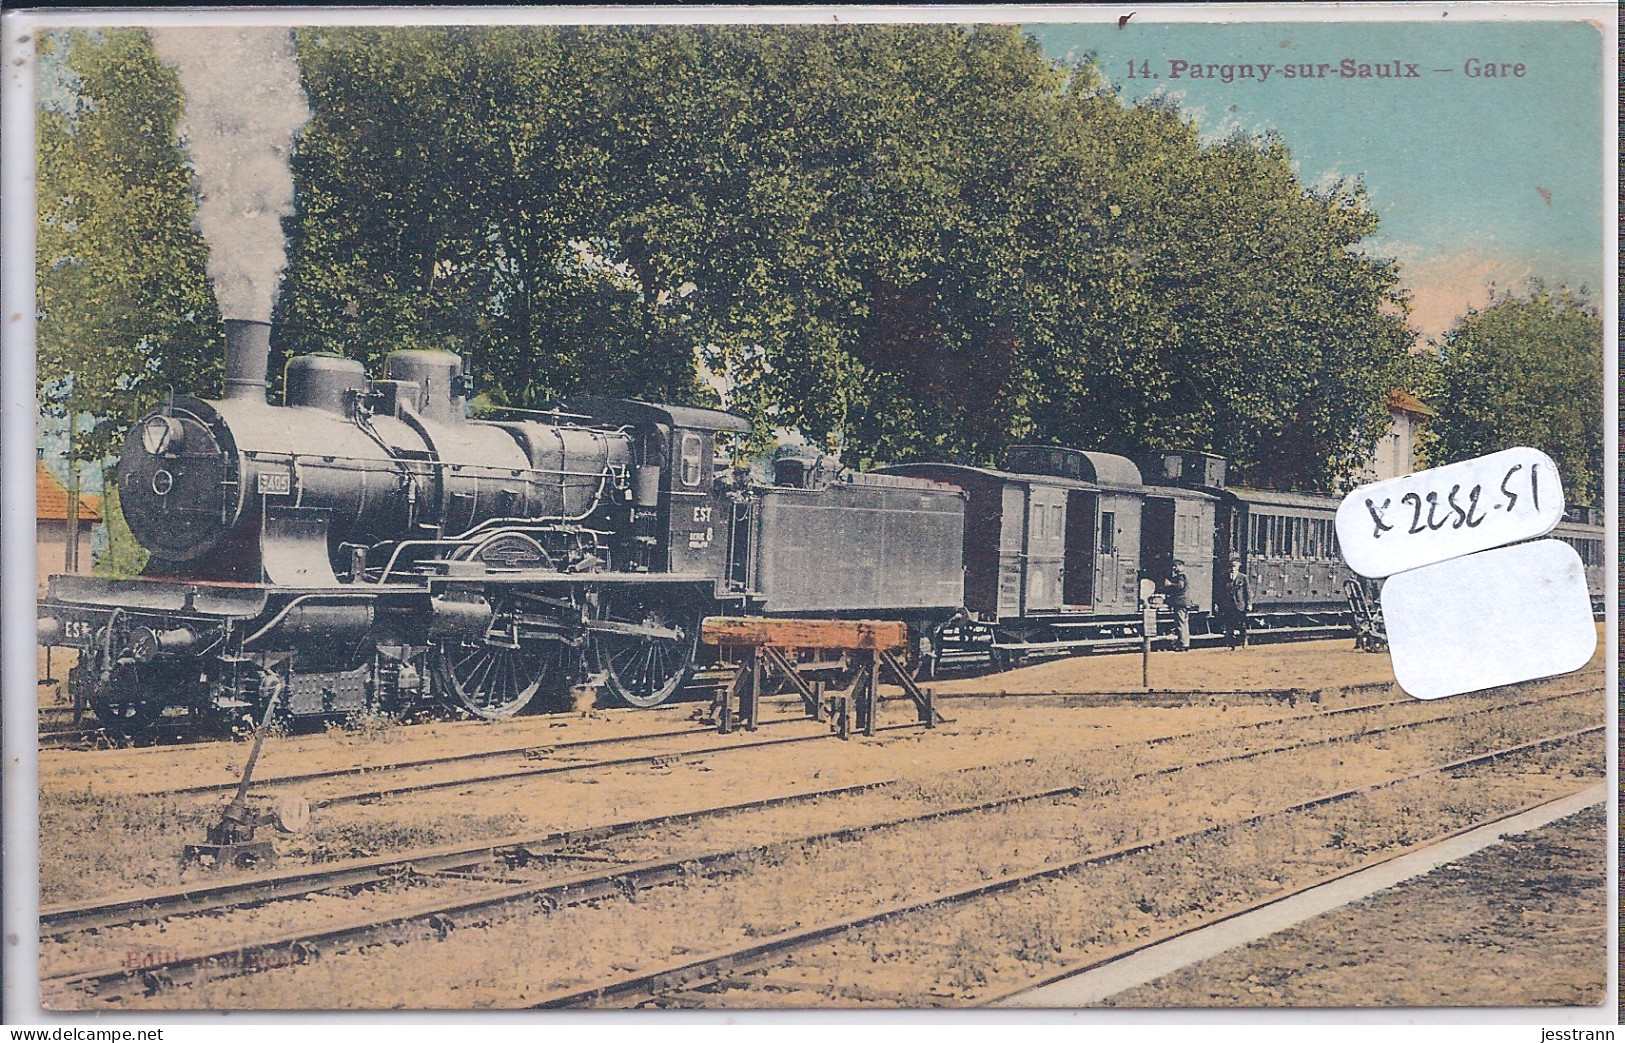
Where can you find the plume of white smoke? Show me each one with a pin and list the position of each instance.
(243, 107)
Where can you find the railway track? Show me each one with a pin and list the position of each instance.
(706, 744)
(703, 981)
(504, 896)
(58, 920)
(89, 915)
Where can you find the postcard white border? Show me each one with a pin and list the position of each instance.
(17, 434)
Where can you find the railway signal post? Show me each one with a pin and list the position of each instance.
(1149, 603)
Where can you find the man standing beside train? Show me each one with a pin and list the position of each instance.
(1178, 599)
(1238, 601)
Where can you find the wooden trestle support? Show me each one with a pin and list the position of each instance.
(765, 646)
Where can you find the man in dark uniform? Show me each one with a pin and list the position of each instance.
(1178, 589)
(1238, 601)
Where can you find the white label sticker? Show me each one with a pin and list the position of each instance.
(1405, 523)
(1500, 617)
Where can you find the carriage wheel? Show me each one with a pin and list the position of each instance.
(639, 670)
(492, 681)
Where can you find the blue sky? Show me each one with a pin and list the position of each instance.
(1459, 168)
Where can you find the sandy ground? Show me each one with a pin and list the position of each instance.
(1537, 902)
(1303, 664)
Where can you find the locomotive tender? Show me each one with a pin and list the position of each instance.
(366, 546)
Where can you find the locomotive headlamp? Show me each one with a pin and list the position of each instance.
(162, 435)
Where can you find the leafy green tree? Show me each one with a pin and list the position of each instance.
(1527, 369)
(124, 308)
(903, 240)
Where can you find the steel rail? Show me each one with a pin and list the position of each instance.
(60, 920)
(564, 769)
(771, 950)
(461, 758)
(367, 796)
(623, 880)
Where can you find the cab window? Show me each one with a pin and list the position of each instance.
(692, 458)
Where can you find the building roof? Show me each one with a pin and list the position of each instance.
(51, 499)
(1402, 401)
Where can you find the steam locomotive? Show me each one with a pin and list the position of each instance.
(366, 546)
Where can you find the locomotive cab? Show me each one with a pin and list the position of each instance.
(681, 517)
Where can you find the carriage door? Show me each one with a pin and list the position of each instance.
(1078, 581)
(1157, 539)
(1046, 546)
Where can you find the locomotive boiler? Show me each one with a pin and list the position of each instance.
(316, 490)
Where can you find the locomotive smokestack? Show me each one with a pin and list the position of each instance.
(248, 356)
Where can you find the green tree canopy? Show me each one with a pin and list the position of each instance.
(909, 240)
(1527, 369)
(124, 307)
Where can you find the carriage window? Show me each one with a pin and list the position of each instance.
(1108, 532)
(693, 457)
(1188, 526)
(1255, 526)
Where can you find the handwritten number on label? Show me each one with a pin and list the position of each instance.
(1433, 505)
(1416, 512)
(1447, 507)
(1461, 515)
(1472, 505)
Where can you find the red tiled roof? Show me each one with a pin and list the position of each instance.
(1405, 402)
(51, 499)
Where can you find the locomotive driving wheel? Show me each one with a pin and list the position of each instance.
(495, 676)
(644, 643)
